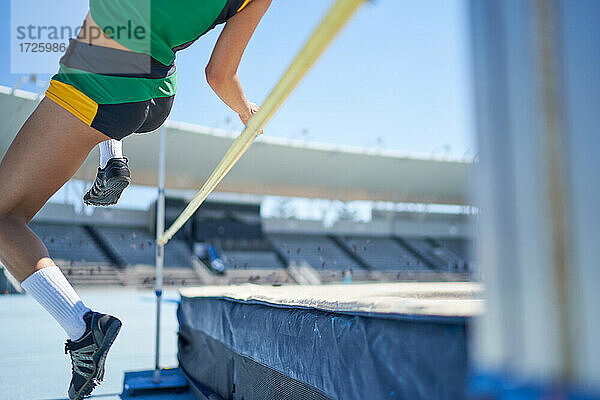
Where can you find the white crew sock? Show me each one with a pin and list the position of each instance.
(110, 149)
(52, 290)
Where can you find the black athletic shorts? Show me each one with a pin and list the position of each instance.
(114, 91)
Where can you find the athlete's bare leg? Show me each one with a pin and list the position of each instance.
(51, 140)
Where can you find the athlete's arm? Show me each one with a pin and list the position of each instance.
(221, 71)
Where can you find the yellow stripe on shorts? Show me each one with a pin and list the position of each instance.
(244, 4)
(73, 101)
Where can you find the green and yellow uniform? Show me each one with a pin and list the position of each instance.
(120, 92)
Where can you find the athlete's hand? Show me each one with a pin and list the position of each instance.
(246, 115)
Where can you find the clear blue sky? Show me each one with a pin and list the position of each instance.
(398, 76)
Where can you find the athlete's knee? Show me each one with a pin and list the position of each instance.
(12, 219)
(16, 209)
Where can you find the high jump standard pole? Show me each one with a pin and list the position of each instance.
(332, 23)
(159, 248)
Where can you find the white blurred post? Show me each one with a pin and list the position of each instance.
(537, 93)
(580, 44)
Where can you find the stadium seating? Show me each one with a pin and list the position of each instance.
(320, 252)
(453, 262)
(460, 247)
(424, 251)
(177, 254)
(70, 242)
(136, 247)
(382, 253)
(92, 275)
(435, 254)
(92, 254)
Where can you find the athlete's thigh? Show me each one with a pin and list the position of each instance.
(47, 151)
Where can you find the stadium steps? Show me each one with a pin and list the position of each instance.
(384, 254)
(421, 252)
(394, 276)
(145, 276)
(304, 274)
(424, 276)
(91, 275)
(362, 262)
(269, 276)
(358, 275)
(205, 273)
(319, 251)
(461, 247)
(457, 262)
(106, 248)
(278, 251)
(134, 246)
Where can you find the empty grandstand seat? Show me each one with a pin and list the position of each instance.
(384, 253)
(320, 252)
(430, 253)
(454, 260)
(178, 254)
(460, 247)
(70, 243)
(136, 247)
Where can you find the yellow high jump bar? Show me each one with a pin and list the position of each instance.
(329, 27)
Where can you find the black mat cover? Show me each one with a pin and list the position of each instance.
(256, 350)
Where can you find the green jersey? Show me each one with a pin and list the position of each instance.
(154, 30)
(160, 27)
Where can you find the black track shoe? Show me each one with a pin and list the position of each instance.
(89, 353)
(109, 184)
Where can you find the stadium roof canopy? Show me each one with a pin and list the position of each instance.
(272, 166)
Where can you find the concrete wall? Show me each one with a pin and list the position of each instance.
(65, 214)
(399, 224)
